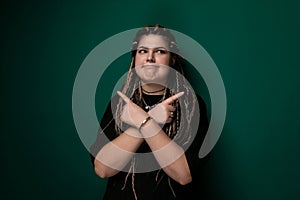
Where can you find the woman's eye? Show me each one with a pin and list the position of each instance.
(142, 51)
(161, 51)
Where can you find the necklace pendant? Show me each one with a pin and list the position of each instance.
(147, 107)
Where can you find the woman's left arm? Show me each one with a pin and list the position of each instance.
(170, 156)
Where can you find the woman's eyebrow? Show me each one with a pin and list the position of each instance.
(143, 47)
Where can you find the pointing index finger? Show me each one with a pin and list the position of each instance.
(123, 96)
(174, 97)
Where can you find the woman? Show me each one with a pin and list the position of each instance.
(156, 114)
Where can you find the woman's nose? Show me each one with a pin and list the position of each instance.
(150, 57)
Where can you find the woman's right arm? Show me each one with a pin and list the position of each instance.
(114, 156)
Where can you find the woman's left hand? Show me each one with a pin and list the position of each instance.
(163, 112)
(132, 114)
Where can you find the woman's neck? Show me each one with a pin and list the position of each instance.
(153, 89)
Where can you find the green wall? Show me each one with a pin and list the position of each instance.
(255, 45)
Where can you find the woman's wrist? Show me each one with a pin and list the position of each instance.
(144, 122)
(150, 128)
(133, 132)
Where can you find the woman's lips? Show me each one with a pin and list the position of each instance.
(150, 71)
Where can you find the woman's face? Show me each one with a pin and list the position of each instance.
(152, 59)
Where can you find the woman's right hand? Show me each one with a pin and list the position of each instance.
(132, 114)
(163, 112)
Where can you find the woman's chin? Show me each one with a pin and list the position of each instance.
(149, 79)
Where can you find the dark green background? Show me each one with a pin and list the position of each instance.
(255, 45)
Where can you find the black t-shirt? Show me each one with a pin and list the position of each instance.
(154, 184)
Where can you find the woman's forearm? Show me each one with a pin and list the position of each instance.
(114, 156)
(169, 155)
